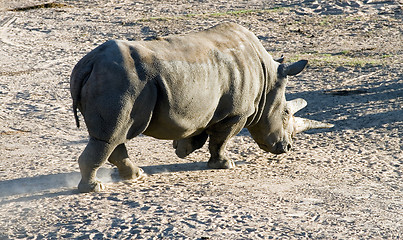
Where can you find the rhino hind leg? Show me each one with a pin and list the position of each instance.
(94, 155)
(186, 146)
(127, 170)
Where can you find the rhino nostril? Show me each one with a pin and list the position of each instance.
(283, 147)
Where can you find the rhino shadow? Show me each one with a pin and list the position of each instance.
(175, 167)
(179, 167)
(359, 106)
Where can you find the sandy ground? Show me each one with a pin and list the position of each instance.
(340, 183)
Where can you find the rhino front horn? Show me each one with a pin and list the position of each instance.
(303, 124)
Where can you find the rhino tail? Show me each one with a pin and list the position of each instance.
(76, 115)
(79, 77)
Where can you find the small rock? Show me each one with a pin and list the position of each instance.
(341, 69)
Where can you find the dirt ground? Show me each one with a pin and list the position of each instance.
(339, 183)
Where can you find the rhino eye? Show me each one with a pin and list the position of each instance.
(286, 116)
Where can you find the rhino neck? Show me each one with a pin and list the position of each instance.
(272, 101)
(269, 77)
(257, 115)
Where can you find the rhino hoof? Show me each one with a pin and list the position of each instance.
(137, 174)
(221, 164)
(181, 153)
(91, 187)
(131, 173)
(183, 147)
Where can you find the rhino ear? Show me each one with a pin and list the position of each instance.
(291, 69)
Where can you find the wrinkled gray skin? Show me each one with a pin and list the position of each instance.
(210, 84)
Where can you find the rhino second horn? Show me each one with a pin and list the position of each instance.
(296, 105)
(303, 124)
(280, 59)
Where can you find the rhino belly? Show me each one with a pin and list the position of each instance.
(178, 123)
(182, 113)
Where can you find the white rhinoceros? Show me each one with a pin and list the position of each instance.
(209, 84)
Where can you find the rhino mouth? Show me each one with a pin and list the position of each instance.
(276, 148)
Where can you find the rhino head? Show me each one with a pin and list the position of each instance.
(277, 126)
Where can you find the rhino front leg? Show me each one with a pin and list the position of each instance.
(127, 170)
(219, 136)
(218, 159)
(94, 155)
(186, 146)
